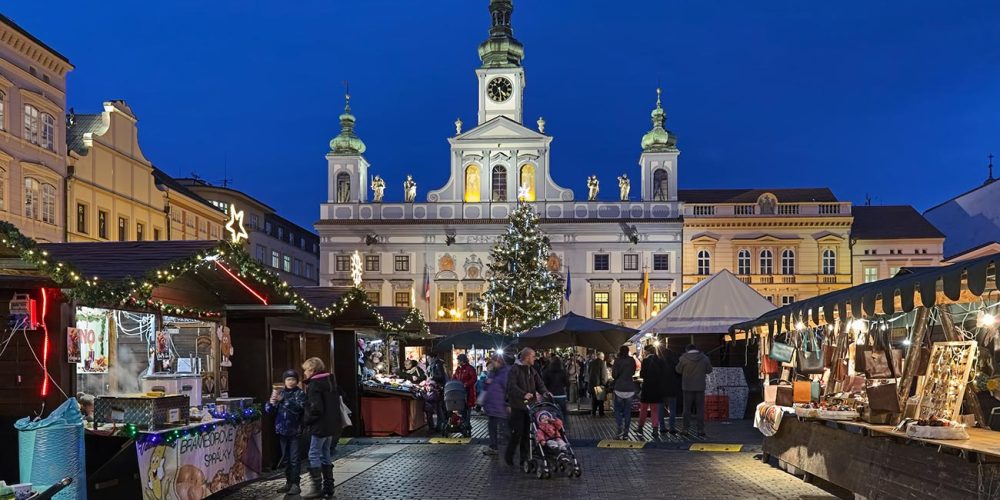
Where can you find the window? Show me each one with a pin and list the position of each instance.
(261, 253)
(630, 262)
(770, 298)
(787, 261)
(372, 263)
(472, 308)
(342, 263)
(829, 262)
(374, 297)
(704, 263)
(140, 231)
(2, 97)
(787, 299)
(122, 229)
(499, 192)
(743, 262)
(402, 299)
(870, 274)
(893, 270)
(31, 124)
(254, 222)
(660, 300)
(3, 188)
(102, 224)
(661, 262)
(602, 262)
(267, 227)
(48, 132)
(631, 305)
(309, 271)
(766, 262)
(446, 301)
(661, 185)
(401, 263)
(286, 263)
(156, 237)
(275, 259)
(81, 218)
(48, 203)
(32, 192)
(297, 267)
(602, 303)
(281, 233)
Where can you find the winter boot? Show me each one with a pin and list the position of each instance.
(316, 483)
(328, 481)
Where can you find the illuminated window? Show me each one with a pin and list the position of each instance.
(374, 297)
(499, 192)
(602, 305)
(528, 181)
(140, 231)
(829, 262)
(3, 189)
(32, 193)
(660, 300)
(704, 263)
(402, 299)
(446, 301)
(48, 132)
(472, 184)
(870, 274)
(275, 259)
(122, 229)
(631, 305)
(472, 308)
(102, 224)
(766, 262)
(286, 263)
(743, 262)
(48, 203)
(787, 262)
(2, 109)
(894, 270)
(31, 124)
(81, 218)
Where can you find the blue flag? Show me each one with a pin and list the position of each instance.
(569, 283)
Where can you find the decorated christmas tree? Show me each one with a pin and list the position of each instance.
(522, 292)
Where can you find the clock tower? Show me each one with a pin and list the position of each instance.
(501, 77)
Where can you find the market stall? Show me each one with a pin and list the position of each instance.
(880, 388)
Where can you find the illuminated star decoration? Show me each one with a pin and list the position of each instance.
(235, 227)
(522, 193)
(356, 269)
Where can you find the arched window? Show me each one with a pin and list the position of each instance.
(343, 187)
(48, 132)
(48, 203)
(829, 261)
(2, 109)
(704, 263)
(788, 261)
(527, 183)
(743, 262)
(472, 184)
(31, 124)
(766, 262)
(32, 195)
(661, 185)
(499, 183)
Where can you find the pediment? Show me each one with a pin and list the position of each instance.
(828, 237)
(705, 238)
(765, 238)
(500, 127)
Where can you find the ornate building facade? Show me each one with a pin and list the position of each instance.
(885, 239)
(432, 253)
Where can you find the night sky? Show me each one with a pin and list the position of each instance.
(865, 97)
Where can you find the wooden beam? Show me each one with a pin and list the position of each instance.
(920, 324)
(953, 335)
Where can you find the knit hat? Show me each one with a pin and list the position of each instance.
(462, 358)
(290, 374)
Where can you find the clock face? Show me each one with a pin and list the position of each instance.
(499, 89)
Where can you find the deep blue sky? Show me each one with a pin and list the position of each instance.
(899, 100)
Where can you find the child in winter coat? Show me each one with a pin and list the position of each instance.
(549, 427)
(288, 405)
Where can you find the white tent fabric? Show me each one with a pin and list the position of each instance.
(711, 306)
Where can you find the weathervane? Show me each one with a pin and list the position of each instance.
(235, 227)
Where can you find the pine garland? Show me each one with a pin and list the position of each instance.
(522, 292)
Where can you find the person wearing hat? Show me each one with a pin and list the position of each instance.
(466, 374)
(288, 404)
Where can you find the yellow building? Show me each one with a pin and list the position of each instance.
(116, 194)
(788, 244)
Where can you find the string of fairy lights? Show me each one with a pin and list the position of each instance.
(137, 292)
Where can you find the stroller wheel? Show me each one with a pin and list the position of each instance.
(540, 473)
(526, 466)
(576, 472)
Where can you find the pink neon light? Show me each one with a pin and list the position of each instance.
(260, 297)
(45, 344)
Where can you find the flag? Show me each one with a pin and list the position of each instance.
(569, 283)
(645, 290)
(427, 285)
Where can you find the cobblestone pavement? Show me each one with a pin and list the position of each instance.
(460, 472)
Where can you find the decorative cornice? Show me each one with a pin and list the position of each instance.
(31, 48)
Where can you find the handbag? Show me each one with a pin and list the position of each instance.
(802, 391)
(770, 366)
(599, 393)
(770, 393)
(809, 358)
(781, 352)
(783, 396)
(883, 398)
(345, 414)
(876, 365)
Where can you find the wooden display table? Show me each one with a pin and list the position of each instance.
(387, 413)
(876, 461)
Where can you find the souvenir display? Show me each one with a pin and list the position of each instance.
(944, 384)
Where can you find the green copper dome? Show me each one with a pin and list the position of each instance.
(501, 49)
(347, 143)
(658, 139)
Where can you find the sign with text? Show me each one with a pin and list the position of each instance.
(199, 465)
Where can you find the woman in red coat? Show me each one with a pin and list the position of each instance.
(466, 374)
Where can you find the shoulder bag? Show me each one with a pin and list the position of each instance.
(809, 357)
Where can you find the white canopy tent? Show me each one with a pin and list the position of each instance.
(711, 306)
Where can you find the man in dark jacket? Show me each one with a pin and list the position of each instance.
(323, 422)
(437, 373)
(524, 386)
(597, 376)
(651, 395)
(694, 366)
(671, 389)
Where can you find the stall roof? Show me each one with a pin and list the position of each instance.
(449, 328)
(114, 261)
(711, 306)
(963, 280)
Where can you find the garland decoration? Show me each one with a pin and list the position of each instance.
(145, 439)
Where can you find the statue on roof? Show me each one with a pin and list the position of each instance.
(409, 190)
(593, 187)
(378, 186)
(624, 186)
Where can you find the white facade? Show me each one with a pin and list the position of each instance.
(603, 245)
(969, 220)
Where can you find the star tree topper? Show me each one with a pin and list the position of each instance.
(237, 232)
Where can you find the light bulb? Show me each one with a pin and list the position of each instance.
(985, 320)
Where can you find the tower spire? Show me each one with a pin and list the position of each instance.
(658, 139)
(501, 49)
(990, 179)
(347, 141)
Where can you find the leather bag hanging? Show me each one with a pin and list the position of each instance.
(883, 398)
(783, 396)
(802, 391)
(781, 352)
(809, 357)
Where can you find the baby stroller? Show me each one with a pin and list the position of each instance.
(455, 398)
(545, 459)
